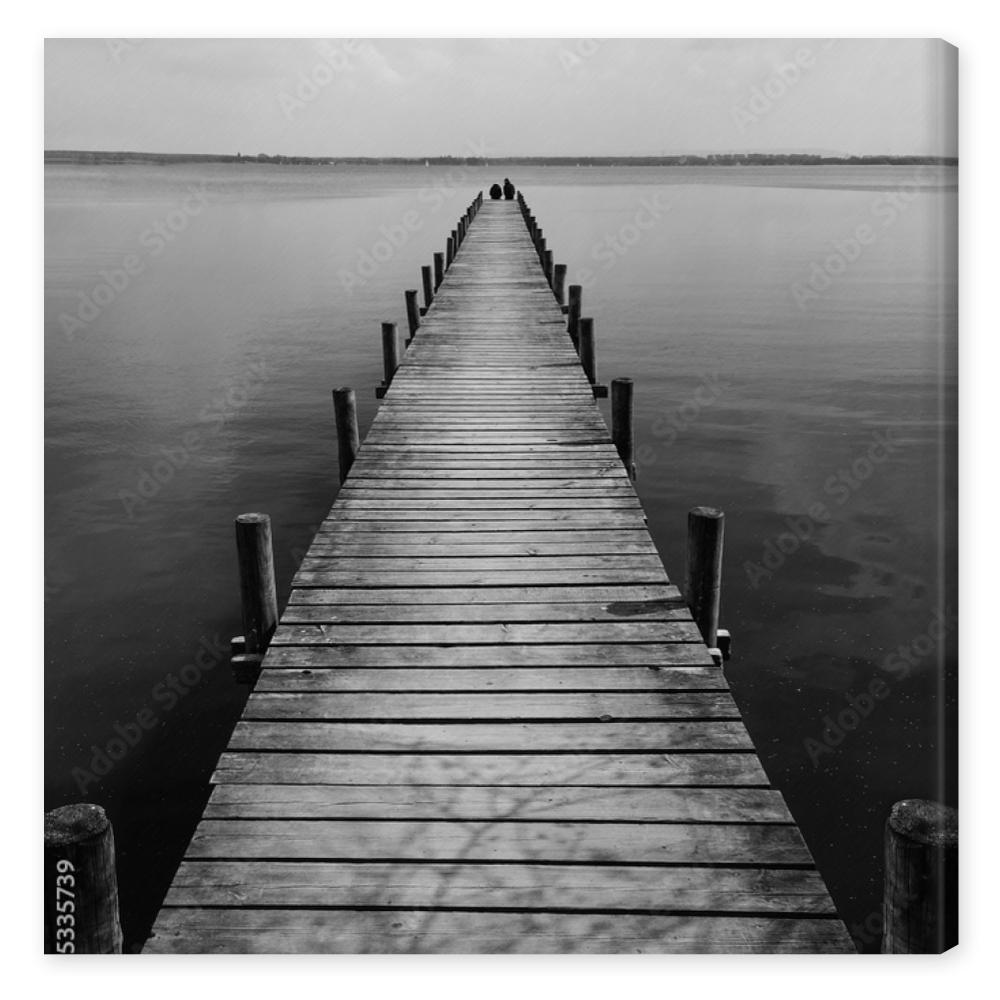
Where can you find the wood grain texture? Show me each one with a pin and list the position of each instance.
(486, 721)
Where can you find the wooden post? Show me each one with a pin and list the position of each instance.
(547, 266)
(412, 312)
(449, 252)
(588, 357)
(540, 243)
(438, 270)
(258, 594)
(573, 317)
(920, 903)
(427, 278)
(345, 411)
(622, 432)
(390, 352)
(559, 283)
(81, 884)
(454, 244)
(703, 575)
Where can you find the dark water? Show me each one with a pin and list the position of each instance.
(196, 319)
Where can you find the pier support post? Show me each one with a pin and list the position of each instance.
(390, 352)
(345, 409)
(622, 429)
(588, 357)
(427, 279)
(920, 903)
(449, 252)
(559, 283)
(438, 270)
(703, 573)
(547, 266)
(81, 883)
(412, 313)
(258, 594)
(573, 316)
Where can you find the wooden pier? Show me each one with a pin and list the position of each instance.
(486, 721)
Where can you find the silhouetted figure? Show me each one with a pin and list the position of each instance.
(496, 192)
(508, 189)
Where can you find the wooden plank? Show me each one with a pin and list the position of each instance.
(499, 887)
(508, 737)
(508, 841)
(650, 656)
(481, 612)
(518, 633)
(624, 600)
(621, 769)
(493, 706)
(308, 931)
(481, 803)
(507, 679)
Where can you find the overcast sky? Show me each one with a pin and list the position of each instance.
(498, 97)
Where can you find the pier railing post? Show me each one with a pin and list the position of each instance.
(622, 429)
(920, 903)
(390, 352)
(573, 316)
(81, 883)
(559, 283)
(703, 573)
(412, 313)
(345, 409)
(438, 270)
(547, 266)
(427, 279)
(449, 252)
(588, 357)
(258, 594)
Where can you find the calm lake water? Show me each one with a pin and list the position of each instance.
(792, 336)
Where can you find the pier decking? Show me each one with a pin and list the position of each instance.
(486, 721)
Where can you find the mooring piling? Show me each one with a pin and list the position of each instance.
(920, 900)
(258, 594)
(622, 428)
(412, 313)
(703, 573)
(427, 278)
(390, 352)
(559, 283)
(588, 357)
(345, 409)
(573, 316)
(81, 882)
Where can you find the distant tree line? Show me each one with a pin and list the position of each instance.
(90, 157)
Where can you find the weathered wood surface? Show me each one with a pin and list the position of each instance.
(487, 721)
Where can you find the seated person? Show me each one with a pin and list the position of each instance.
(495, 192)
(508, 189)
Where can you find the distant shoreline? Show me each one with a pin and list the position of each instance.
(111, 158)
